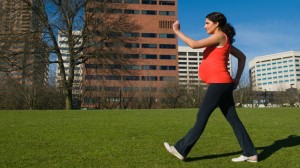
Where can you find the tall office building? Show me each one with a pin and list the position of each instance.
(275, 72)
(153, 55)
(188, 63)
(22, 56)
(64, 49)
(16, 16)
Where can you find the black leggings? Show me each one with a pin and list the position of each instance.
(218, 94)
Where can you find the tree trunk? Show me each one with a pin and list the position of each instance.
(68, 105)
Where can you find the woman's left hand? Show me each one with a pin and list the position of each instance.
(236, 83)
(176, 26)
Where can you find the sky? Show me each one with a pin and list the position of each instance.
(263, 27)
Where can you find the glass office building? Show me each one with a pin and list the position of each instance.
(275, 72)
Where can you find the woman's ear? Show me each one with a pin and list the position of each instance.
(217, 24)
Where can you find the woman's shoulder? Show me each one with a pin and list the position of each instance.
(222, 38)
(221, 35)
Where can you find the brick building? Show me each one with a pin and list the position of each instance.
(153, 56)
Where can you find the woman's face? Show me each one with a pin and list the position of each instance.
(210, 26)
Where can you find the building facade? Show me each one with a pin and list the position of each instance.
(153, 57)
(22, 55)
(16, 16)
(275, 72)
(188, 63)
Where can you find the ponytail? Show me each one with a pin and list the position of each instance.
(229, 30)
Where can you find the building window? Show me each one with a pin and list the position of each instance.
(166, 2)
(170, 57)
(182, 53)
(93, 88)
(149, 45)
(167, 46)
(149, 12)
(130, 89)
(149, 67)
(149, 78)
(111, 89)
(192, 53)
(132, 1)
(148, 89)
(115, 11)
(132, 45)
(93, 77)
(111, 1)
(167, 13)
(131, 78)
(171, 68)
(116, 1)
(149, 2)
(112, 77)
(95, 10)
(167, 78)
(149, 35)
(133, 34)
(163, 35)
(94, 66)
(132, 56)
(132, 67)
(112, 66)
(149, 56)
(131, 11)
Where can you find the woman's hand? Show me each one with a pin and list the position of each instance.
(176, 26)
(236, 83)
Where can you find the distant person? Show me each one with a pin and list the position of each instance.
(213, 71)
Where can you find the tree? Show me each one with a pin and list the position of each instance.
(22, 63)
(172, 93)
(102, 34)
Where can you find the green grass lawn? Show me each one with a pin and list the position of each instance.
(134, 138)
